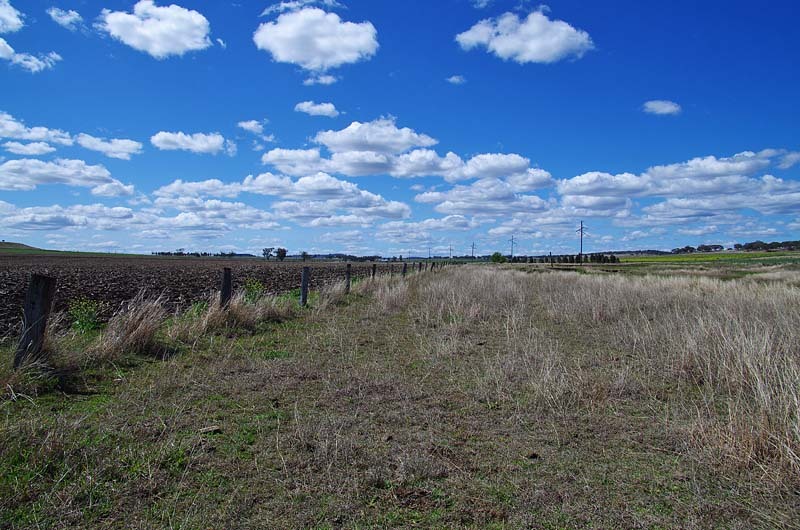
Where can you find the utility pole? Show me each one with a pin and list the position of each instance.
(512, 246)
(473, 250)
(429, 252)
(581, 231)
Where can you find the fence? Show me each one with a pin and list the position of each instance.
(41, 293)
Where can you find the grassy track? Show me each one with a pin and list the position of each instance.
(449, 400)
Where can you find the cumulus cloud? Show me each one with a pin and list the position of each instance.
(320, 79)
(253, 126)
(114, 148)
(700, 175)
(314, 200)
(32, 63)
(200, 143)
(381, 135)
(381, 148)
(456, 79)
(68, 19)
(57, 217)
(30, 149)
(11, 127)
(535, 39)
(316, 40)
(10, 18)
(661, 107)
(317, 109)
(294, 5)
(26, 174)
(789, 159)
(158, 31)
(409, 232)
(489, 196)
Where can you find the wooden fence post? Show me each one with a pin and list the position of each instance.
(347, 280)
(391, 271)
(419, 267)
(374, 269)
(226, 292)
(405, 268)
(304, 286)
(36, 311)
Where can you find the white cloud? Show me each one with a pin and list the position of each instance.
(313, 200)
(32, 63)
(789, 159)
(315, 40)
(381, 135)
(408, 232)
(294, 162)
(10, 127)
(211, 143)
(323, 79)
(493, 165)
(536, 39)
(30, 149)
(10, 18)
(25, 174)
(294, 5)
(57, 217)
(487, 196)
(456, 79)
(317, 109)
(661, 107)
(253, 126)
(114, 148)
(158, 31)
(70, 19)
(701, 175)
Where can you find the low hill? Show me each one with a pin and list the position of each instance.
(16, 246)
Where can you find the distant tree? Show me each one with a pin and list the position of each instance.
(498, 258)
(304, 255)
(267, 252)
(281, 254)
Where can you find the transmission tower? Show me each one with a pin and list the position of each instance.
(582, 232)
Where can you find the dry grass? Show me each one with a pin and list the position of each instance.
(475, 397)
(242, 313)
(133, 329)
(730, 349)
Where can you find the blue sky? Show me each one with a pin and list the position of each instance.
(395, 127)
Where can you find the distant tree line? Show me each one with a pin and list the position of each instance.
(563, 258)
(184, 253)
(752, 246)
(775, 245)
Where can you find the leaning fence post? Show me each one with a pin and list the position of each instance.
(347, 280)
(405, 268)
(304, 286)
(38, 302)
(419, 267)
(227, 288)
(374, 269)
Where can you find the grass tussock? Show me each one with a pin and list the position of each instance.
(243, 312)
(134, 329)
